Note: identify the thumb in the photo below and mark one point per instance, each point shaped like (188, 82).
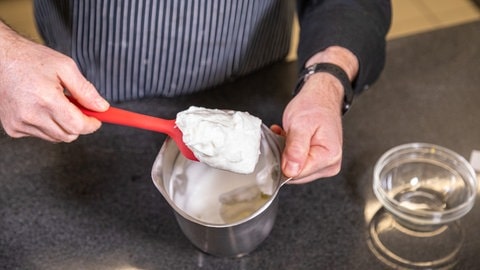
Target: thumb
(81, 89)
(295, 153)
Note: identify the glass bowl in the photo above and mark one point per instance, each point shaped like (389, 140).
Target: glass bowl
(423, 184)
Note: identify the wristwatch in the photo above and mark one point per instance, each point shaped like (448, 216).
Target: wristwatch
(336, 71)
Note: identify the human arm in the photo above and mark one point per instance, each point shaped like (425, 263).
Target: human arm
(33, 78)
(352, 36)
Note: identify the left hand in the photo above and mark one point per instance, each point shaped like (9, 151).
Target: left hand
(313, 121)
(312, 124)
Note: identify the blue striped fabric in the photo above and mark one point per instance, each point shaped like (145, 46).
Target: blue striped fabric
(138, 48)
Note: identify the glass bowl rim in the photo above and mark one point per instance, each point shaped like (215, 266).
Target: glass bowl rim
(422, 216)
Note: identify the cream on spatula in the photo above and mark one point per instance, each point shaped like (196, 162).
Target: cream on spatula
(224, 139)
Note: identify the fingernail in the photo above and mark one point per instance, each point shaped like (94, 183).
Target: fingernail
(102, 104)
(292, 168)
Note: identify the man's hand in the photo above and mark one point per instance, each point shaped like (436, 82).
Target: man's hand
(33, 79)
(313, 129)
(312, 121)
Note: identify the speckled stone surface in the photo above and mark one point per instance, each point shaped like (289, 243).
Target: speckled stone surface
(91, 204)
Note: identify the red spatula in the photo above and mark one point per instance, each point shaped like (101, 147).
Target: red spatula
(131, 119)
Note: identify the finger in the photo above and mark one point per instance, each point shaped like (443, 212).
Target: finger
(61, 121)
(35, 134)
(295, 153)
(60, 127)
(75, 122)
(39, 125)
(52, 130)
(306, 177)
(53, 134)
(277, 130)
(321, 162)
(81, 89)
(84, 125)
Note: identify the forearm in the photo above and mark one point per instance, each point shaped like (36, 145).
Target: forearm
(4, 28)
(11, 43)
(7, 36)
(359, 26)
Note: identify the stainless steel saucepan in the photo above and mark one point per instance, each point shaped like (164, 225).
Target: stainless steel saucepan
(222, 213)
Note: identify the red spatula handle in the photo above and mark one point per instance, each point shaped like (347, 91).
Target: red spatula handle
(132, 119)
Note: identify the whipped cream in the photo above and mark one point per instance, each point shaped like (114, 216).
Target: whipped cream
(224, 139)
(220, 196)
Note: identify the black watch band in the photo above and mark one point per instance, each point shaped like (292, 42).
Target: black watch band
(336, 71)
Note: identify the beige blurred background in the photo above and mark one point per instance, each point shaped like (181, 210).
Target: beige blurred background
(409, 17)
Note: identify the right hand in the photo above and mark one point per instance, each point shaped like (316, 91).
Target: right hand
(33, 81)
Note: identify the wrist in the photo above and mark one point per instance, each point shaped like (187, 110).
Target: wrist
(339, 56)
(337, 74)
(338, 62)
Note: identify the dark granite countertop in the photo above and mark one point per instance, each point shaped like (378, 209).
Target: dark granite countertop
(91, 204)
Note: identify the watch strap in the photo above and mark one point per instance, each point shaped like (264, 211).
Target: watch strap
(334, 70)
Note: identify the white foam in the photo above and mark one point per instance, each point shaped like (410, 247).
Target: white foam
(223, 139)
